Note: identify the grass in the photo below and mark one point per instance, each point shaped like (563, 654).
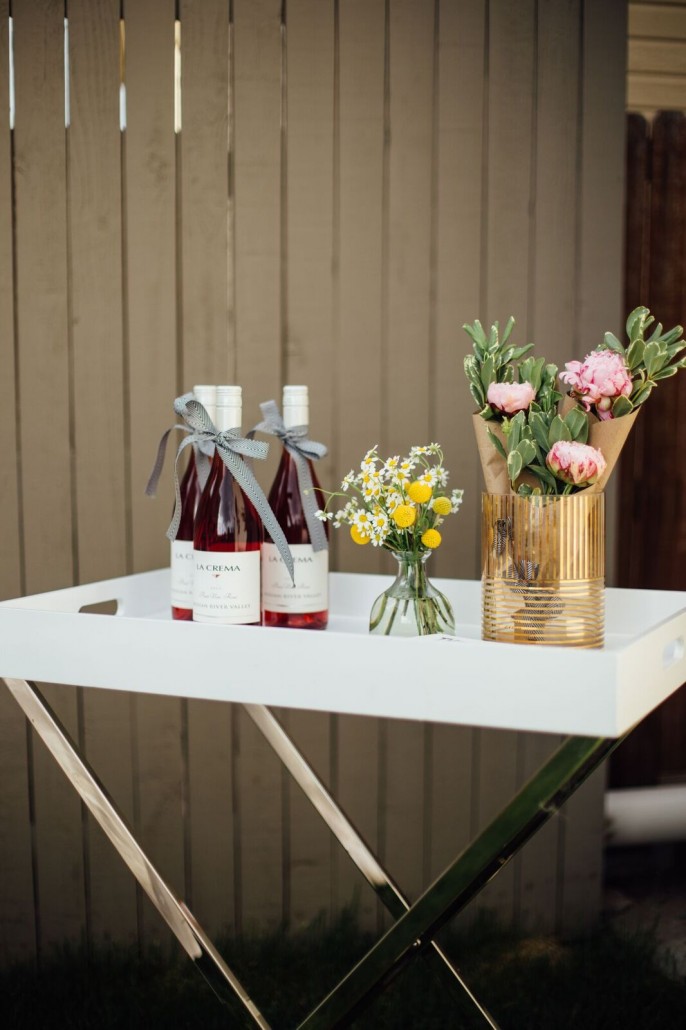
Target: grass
(604, 980)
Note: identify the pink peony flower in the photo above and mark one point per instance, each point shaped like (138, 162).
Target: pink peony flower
(598, 379)
(575, 463)
(510, 398)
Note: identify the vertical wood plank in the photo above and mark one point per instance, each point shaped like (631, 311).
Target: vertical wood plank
(636, 279)
(44, 398)
(150, 262)
(310, 840)
(94, 181)
(206, 353)
(599, 297)
(260, 855)
(602, 182)
(310, 215)
(496, 775)
(358, 361)
(448, 819)
(405, 346)
(459, 263)
(207, 356)
(406, 354)
(356, 785)
(257, 105)
(95, 243)
(158, 800)
(553, 300)
(58, 835)
(17, 932)
(17, 925)
(257, 98)
(107, 732)
(357, 370)
(150, 269)
(401, 802)
(511, 52)
(537, 866)
(10, 541)
(581, 871)
(552, 303)
(509, 181)
(41, 294)
(308, 359)
(211, 874)
(652, 500)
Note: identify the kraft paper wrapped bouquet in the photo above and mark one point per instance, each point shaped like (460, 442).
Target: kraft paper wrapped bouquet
(548, 443)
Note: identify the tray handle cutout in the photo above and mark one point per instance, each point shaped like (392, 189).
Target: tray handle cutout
(110, 607)
(672, 652)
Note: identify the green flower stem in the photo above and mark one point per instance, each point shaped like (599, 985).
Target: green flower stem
(411, 588)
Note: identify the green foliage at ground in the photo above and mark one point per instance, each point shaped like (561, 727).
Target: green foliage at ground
(599, 982)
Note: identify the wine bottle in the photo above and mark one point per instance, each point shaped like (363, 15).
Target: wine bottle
(182, 546)
(305, 605)
(227, 537)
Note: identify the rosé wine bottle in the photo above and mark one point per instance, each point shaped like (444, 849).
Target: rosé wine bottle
(227, 537)
(182, 547)
(305, 605)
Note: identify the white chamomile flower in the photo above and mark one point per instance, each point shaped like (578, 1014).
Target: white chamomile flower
(393, 499)
(390, 466)
(441, 475)
(348, 480)
(371, 490)
(362, 520)
(456, 499)
(323, 516)
(371, 456)
(428, 477)
(416, 451)
(380, 521)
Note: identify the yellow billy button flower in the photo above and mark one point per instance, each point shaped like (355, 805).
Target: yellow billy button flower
(404, 516)
(419, 492)
(431, 539)
(358, 537)
(442, 506)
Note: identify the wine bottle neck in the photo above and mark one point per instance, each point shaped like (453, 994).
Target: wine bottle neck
(228, 416)
(296, 410)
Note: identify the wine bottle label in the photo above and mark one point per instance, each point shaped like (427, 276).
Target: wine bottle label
(311, 590)
(182, 573)
(226, 587)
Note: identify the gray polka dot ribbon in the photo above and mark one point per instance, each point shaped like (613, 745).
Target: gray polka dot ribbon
(232, 449)
(202, 441)
(302, 450)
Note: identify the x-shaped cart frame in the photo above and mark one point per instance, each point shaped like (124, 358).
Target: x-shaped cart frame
(415, 924)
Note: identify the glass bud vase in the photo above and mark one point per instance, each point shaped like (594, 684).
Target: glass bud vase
(411, 606)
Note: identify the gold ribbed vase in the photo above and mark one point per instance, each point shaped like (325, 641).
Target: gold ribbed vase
(543, 569)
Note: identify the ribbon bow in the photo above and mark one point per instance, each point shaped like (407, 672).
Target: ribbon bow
(201, 439)
(302, 450)
(200, 435)
(231, 447)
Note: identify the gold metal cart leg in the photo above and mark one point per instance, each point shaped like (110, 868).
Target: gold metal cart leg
(182, 923)
(353, 842)
(538, 799)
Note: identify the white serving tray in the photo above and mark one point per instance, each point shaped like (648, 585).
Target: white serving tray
(46, 637)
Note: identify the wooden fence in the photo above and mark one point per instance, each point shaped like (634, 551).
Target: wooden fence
(351, 181)
(653, 471)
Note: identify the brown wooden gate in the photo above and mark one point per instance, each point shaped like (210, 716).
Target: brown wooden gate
(651, 532)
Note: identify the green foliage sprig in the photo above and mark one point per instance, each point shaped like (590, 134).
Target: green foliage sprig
(648, 360)
(491, 361)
